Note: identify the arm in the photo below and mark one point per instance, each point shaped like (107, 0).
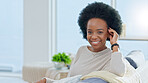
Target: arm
(41, 81)
(117, 63)
(45, 80)
(76, 57)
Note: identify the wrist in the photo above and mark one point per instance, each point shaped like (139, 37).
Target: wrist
(114, 43)
(115, 47)
(44, 79)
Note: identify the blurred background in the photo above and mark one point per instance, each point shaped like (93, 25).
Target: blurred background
(34, 30)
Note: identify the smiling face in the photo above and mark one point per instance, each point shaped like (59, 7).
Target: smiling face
(97, 34)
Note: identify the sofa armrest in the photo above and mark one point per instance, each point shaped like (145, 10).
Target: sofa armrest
(143, 71)
(35, 71)
(55, 74)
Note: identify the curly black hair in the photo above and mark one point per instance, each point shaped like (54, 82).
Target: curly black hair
(102, 11)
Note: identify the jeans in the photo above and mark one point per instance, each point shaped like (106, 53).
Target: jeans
(93, 80)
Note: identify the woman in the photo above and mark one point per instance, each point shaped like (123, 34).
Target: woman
(99, 22)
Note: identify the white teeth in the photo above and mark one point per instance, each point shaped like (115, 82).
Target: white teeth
(95, 42)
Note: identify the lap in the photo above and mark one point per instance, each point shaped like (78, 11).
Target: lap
(93, 80)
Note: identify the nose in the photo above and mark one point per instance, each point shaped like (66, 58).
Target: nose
(94, 36)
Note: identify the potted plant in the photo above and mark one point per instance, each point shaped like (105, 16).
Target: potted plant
(60, 60)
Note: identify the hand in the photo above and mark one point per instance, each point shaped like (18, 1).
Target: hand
(113, 36)
(41, 81)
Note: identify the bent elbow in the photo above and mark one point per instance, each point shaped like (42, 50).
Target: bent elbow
(120, 71)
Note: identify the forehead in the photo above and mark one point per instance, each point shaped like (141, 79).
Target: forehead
(96, 23)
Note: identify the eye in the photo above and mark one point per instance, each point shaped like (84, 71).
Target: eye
(99, 32)
(89, 32)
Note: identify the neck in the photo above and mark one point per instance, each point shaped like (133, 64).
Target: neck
(96, 50)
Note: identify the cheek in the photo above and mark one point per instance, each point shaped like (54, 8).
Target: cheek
(88, 37)
(104, 37)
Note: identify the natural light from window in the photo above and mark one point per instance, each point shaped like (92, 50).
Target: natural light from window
(11, 35)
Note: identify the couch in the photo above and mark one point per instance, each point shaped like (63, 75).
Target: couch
(36, 71)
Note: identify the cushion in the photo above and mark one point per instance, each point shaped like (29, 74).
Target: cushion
(136, 58)
(131, 62)
(93, 80)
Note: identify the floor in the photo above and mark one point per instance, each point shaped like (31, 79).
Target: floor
(11, 80)
(7, 77)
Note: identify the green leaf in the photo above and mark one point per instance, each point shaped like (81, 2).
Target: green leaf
(61, 57)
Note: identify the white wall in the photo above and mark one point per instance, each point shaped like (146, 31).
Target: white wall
(36, 31)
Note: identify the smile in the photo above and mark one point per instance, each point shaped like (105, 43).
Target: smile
(95, 43)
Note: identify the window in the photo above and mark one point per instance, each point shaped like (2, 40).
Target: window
(69, 38)
(134, 14)
(11, 35)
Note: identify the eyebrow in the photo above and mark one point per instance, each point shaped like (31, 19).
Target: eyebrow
(97, 29)
(100, 29)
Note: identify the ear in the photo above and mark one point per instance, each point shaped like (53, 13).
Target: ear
(108, 36)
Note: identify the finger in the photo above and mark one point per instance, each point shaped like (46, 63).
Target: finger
(112, 32)
(110, 37)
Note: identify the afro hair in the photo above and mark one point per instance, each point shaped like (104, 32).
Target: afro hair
(102, 11)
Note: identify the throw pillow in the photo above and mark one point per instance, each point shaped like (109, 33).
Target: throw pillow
(136, 58)
(131, 62)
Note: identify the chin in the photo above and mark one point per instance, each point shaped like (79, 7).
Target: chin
(96, 47)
